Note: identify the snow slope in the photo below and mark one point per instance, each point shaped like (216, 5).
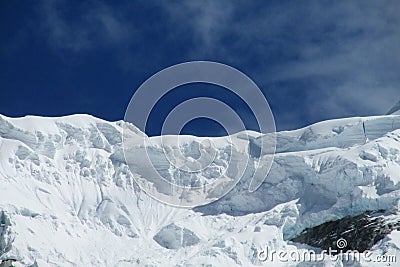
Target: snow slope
(68, 198)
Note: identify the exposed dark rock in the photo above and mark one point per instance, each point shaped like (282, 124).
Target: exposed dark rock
(254, 149)
(360, 232)
(7, 263)
(5, 241)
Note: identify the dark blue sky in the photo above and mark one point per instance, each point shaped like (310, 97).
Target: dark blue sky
(313, 60)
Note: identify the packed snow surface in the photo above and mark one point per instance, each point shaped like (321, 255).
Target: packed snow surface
(68, 197)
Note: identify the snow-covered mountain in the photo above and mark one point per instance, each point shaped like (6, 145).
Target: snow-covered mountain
(395, 110)
(68, 197)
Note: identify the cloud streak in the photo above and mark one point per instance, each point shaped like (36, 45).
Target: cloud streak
(94, 25)
(343, 56)
(347, 53)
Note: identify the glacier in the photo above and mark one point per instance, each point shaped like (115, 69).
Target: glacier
(395, 110)
(69, 198)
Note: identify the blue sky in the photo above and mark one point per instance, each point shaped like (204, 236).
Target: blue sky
(313, 60)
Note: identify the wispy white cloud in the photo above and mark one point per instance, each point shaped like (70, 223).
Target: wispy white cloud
(205, 21)
(349, 51)
(344, 56)
(93, 25)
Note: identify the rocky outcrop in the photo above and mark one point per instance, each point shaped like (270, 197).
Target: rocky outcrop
(359, 232)
(5, 239)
